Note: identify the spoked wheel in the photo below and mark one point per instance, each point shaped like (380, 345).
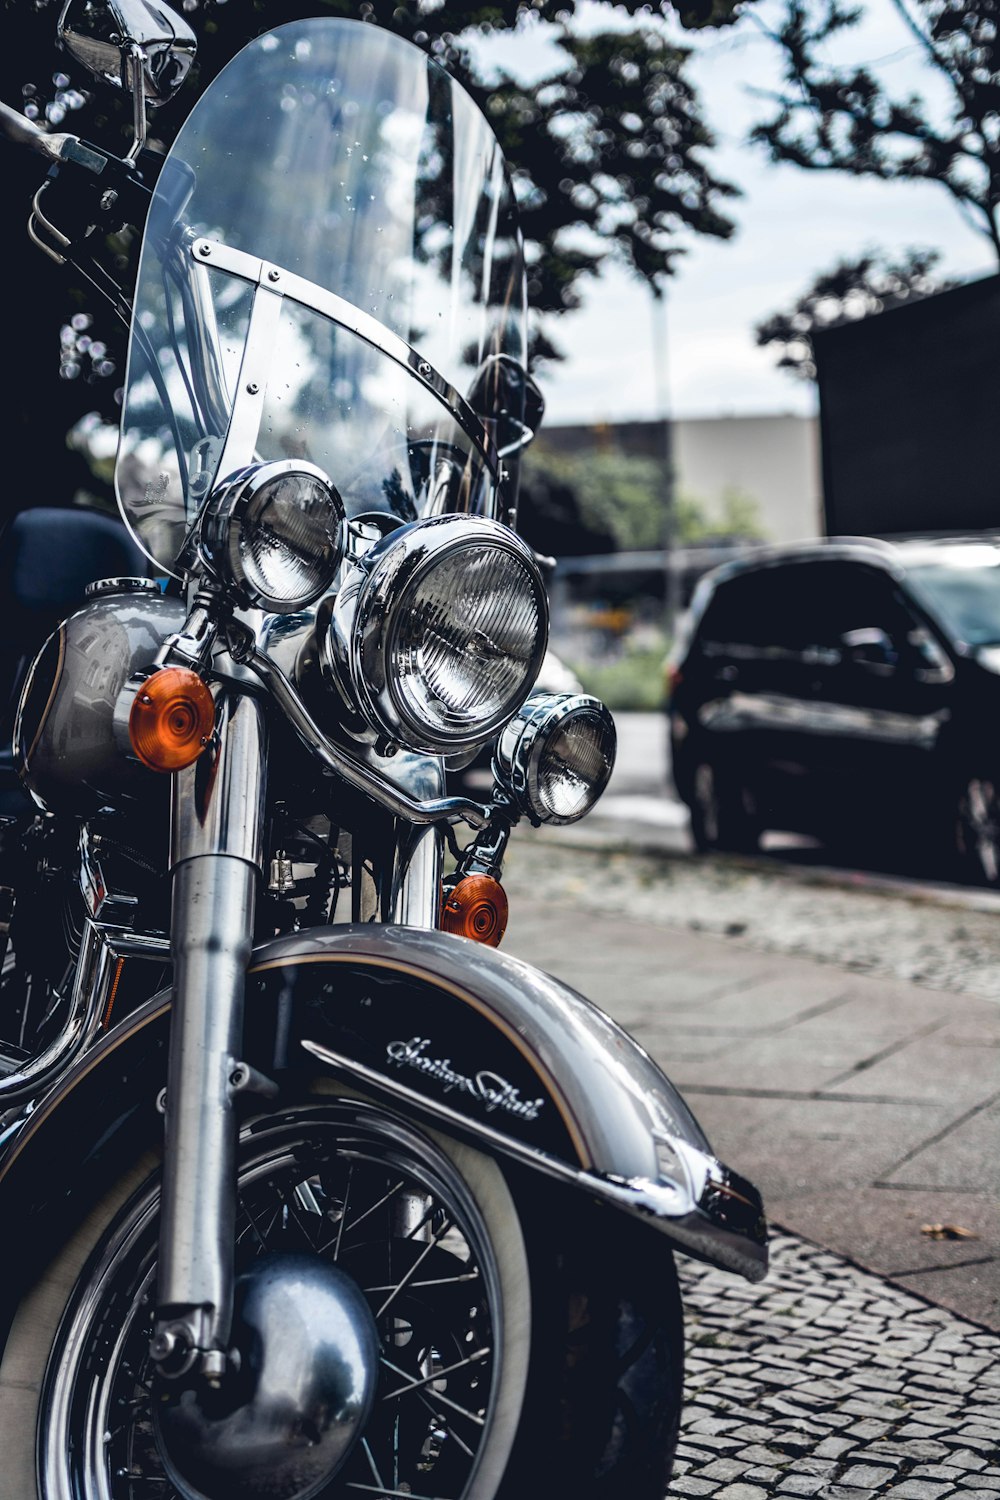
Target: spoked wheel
(493, 1383)
(977, 830)
(428, 1233)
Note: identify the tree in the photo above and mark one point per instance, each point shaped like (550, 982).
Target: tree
(734, 518)
(608, 155)
(597, 500)
(831, 117)
(852, 289)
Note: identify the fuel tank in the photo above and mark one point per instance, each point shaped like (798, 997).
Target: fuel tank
(65, 746)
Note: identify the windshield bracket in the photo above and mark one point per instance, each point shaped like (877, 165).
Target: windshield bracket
(282, 283)
(251, 387)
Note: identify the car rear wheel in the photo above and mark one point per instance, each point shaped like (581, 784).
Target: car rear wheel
(976, 836)
(723, 815)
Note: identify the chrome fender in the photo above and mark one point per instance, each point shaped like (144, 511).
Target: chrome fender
(467, 1038)
(513, 1059)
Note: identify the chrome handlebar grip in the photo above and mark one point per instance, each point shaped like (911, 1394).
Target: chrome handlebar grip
(24, 132)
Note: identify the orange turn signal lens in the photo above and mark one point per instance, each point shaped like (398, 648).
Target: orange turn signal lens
(476, 908)
(172, 718)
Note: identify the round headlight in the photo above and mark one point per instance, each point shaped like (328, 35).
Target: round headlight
(556, 756)
(445, 634)
(277, 532)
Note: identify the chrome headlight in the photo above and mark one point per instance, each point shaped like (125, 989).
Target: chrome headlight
(441, 634)
(556, 756)
(276, 532)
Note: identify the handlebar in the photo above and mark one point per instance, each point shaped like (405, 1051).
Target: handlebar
(24, 132)
(55, 148)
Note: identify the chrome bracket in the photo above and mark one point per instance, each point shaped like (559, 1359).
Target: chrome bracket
(104, 948)
(37, 221)
(337, 761)
(276, 280)
(244, 1079)
(119, 910)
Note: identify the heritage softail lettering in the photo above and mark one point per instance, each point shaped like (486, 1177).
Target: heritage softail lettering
(494, 1091)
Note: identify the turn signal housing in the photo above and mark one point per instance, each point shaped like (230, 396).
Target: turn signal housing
(171, 720)
(476, 908)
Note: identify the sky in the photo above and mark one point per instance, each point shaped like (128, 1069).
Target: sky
(694, 356)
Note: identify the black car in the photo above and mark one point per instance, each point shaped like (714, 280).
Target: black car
(850, 690)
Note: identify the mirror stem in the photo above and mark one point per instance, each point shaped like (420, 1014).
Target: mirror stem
(136, 82)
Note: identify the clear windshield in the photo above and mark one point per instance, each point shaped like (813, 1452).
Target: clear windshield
(963, 597)
(350, 164)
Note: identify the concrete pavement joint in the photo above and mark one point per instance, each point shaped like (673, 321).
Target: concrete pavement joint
(741, 1092)
(932, 1140)
(953, 1265)
(890, 1051)
(823, 1008)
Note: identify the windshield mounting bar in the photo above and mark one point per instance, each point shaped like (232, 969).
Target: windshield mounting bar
(287, 284)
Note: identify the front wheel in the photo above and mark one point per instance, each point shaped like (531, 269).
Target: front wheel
(513, 1342)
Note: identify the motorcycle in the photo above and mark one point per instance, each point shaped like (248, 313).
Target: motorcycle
(297, 1205)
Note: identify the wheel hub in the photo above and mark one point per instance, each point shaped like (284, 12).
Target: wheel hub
(280, 1427)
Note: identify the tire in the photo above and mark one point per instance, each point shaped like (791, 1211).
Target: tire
(593, 1369)
(723, 818)
(975, 831)
(603, 1407)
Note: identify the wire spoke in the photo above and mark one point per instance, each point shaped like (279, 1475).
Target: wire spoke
(261, 1235)
(288, 1201)
(371, 1464)
(384, 1199)
(385, 1494)
(431, 1245)
(435, 1281)
(425, 1218)
(432, 1395)
(422, 1398)
(416, 1385)
(322, 1249)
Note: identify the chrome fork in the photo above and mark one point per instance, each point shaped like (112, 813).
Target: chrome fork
(217, 825)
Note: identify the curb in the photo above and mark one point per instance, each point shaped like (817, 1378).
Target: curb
(609, 839)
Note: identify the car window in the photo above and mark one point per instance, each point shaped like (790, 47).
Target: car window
(762, 609)
(964, 600)
(800, 608)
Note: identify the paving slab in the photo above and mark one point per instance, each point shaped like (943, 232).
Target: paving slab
(862, 1105)
(931, 1067)
(814, 1146)
(965, 1156)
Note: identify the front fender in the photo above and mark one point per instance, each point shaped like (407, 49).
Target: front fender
(512, 1058)
(462, 1035)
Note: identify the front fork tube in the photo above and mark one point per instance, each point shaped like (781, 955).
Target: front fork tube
(217, 821)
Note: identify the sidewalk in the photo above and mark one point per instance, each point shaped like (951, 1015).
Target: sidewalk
(864, 1107)
(826, 1381)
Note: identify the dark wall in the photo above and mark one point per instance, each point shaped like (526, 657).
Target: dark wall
(910, 416)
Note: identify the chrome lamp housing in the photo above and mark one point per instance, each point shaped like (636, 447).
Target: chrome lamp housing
(275, 532)
(438, 634)
(555, 757)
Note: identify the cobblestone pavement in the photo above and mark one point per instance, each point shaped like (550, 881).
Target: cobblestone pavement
(826, 1381)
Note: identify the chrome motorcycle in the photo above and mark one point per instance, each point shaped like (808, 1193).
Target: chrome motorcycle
(307, 1190)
